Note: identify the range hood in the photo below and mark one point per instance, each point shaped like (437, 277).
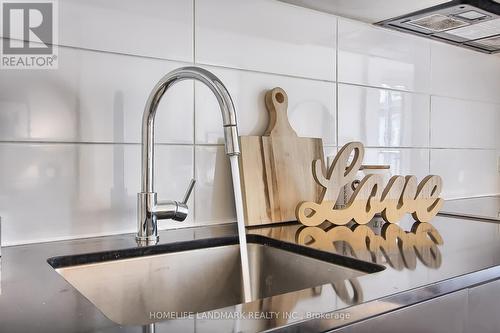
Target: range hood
(473, 24)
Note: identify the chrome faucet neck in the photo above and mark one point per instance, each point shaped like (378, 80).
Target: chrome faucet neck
(148, 118)
(148, 208)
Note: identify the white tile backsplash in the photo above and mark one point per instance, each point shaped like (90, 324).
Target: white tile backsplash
(265, 35)
(403, 161)
(214, 187)
(311, 105)
(384, 118)
(158, 28)
(461, 73)
(56, 191)
(69, 138)
(92, 97)
(457, 123)
(466, 172)
(377, 57)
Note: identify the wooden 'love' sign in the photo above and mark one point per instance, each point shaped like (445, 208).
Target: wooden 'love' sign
(401, 195)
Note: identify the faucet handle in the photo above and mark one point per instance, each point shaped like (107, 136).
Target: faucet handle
(189, 191)
(175, 210)
(181, 210)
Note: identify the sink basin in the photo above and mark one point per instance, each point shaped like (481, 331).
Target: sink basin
(197, 276)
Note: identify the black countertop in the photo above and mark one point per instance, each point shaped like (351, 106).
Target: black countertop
(35, 298)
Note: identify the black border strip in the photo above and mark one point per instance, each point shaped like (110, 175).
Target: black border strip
(95, 257)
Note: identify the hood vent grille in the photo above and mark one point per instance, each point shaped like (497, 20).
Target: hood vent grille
(474, 24)
(437, 23)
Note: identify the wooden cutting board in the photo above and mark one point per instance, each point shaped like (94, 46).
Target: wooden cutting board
(276, 168)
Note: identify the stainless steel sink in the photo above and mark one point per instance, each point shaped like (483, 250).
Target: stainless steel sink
(197, 276)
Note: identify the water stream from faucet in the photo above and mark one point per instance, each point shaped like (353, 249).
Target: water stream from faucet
(245, 268)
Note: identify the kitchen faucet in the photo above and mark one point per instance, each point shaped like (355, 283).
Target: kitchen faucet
(149, 209)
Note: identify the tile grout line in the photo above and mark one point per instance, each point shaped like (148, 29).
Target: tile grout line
(414, 92)
(430, 109)
(497, 103)
(194, 31)
(194, 116)
(180, 144)
(194, 153)
(430, 133)
(337, 82)
(109, 143)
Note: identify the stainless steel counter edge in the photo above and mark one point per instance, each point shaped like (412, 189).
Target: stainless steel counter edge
(485, 208)
(394, 302)
(470, 216)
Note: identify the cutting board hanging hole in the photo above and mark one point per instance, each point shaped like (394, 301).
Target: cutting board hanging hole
(280, 98)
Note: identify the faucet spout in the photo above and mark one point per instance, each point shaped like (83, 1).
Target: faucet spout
(149, 210)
